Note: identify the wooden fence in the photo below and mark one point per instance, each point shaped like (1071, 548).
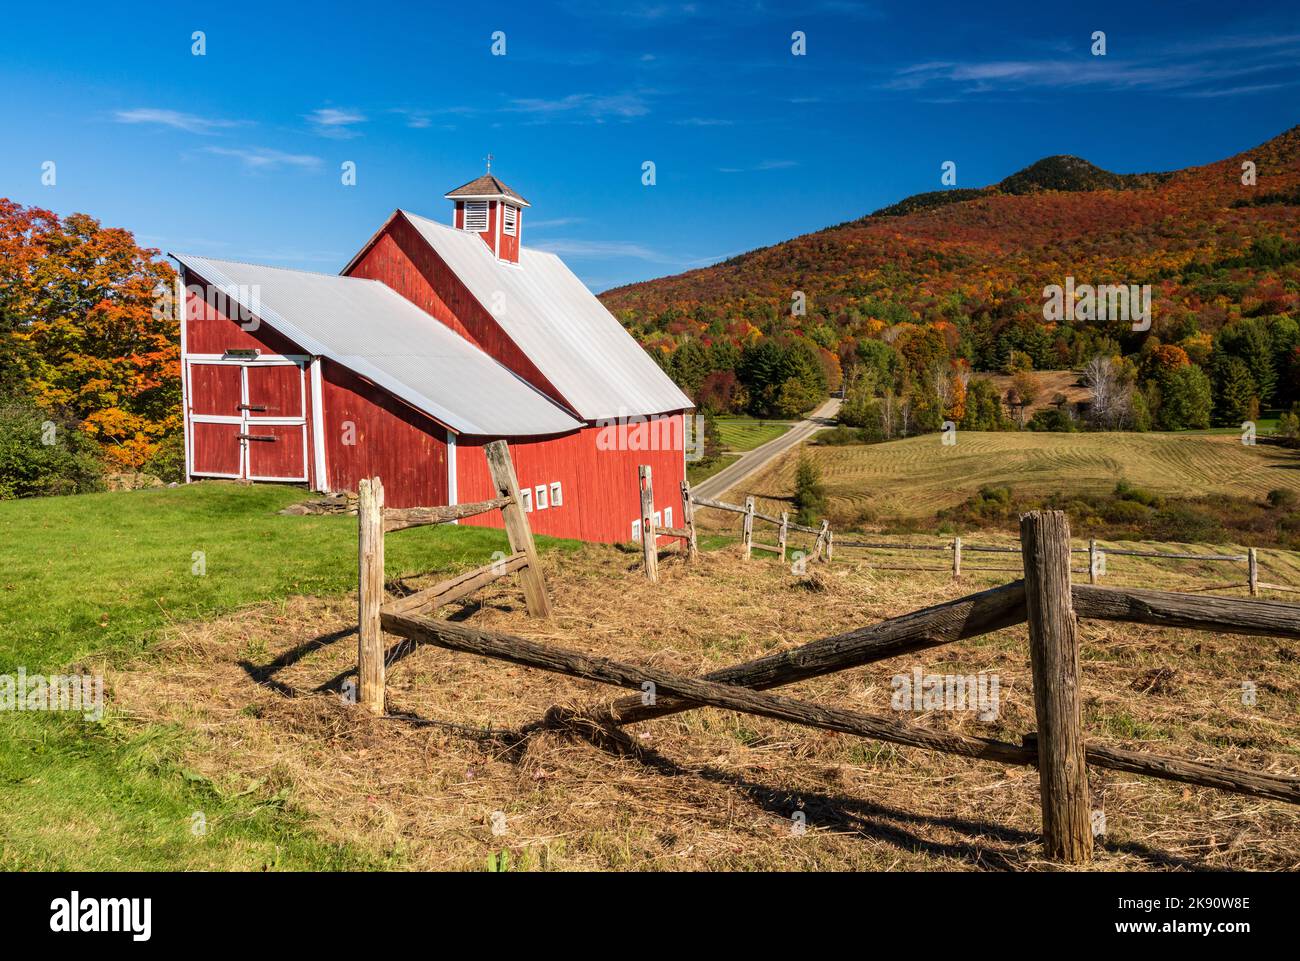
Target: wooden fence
(1045, 599)
(823, 550)
(374, 521)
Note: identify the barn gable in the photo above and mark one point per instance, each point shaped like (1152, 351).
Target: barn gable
(546, 315)
(369, 329)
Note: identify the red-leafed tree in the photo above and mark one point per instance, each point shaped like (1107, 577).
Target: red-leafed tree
(81, 332)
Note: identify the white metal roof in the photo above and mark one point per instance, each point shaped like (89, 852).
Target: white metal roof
(578, 345)
(371, 329)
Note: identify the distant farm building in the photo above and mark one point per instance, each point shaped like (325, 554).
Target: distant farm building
(434, 341)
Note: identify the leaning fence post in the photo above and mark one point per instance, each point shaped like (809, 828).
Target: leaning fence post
(785, 534)
(649, 530)
(749, 527)
(688, 518)
(1054, 657)
(821, 540)
(370, 594)
(518, 532)
(956, 558)
(1252, 568)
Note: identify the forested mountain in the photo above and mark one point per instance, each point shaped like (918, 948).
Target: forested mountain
(949, 283)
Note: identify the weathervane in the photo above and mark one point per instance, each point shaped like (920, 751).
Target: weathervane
(489, 163)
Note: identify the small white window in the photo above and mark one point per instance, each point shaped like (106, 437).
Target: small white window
(658, 520)
(636, 530)
(527, 495)
(668, 517)
(476, 215)
(541, 497)
(557, 495)
(509, 219)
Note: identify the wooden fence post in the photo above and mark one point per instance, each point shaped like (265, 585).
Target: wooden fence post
(749, 527)
(956, 558)
(830, 545)
(370, 594)
(1252, 568)
(517, 529)
(649, 531)
(785, 534)
(1092, 560)
(821, 540)
(688, 518)
(1054, 657)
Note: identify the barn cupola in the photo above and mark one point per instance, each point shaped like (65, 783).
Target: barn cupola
(492, 210)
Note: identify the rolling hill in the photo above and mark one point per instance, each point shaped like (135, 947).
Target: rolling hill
(1213, 248)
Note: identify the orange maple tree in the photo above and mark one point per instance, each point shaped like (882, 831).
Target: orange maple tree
(81, 330)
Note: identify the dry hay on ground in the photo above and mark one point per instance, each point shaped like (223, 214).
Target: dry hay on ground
(712, 789)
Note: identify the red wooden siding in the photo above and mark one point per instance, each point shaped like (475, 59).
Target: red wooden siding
(402, 259)
(509, 249)
(210, 331)
(214, 449)
(280, 457)
(389, 440)
(598, 487)
(215, 389)
(279, 389)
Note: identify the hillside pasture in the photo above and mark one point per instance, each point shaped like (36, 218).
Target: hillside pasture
(712, 789)
(915, 477)
(746, 433)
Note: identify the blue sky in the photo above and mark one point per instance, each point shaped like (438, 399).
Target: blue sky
(237, 153)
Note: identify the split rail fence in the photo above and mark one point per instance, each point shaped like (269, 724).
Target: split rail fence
(1044, 598)
(374, 521)
(823, 549)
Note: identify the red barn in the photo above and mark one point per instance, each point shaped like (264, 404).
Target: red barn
(434, 340)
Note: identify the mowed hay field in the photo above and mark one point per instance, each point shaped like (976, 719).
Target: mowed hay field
(918, 476)
(441, 786)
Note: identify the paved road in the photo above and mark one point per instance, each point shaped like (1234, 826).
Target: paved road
(755, 460)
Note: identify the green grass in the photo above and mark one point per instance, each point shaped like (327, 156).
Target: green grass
(97, 576)
(746, 433)
(695, 474)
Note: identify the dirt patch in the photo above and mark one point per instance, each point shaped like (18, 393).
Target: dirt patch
(436, 787)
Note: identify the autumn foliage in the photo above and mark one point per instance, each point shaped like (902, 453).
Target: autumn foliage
(80, 333)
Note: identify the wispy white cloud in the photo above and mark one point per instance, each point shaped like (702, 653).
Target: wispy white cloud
(334, 122)
(703, 122)
(605, 248)
(190, 123)
(266, 158)
(1176, 69)
(584, 105)
(554, 222)
(761, 165)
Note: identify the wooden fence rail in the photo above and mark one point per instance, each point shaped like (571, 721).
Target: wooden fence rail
(821, 550)
(1096, 569)
(1045, 598)
(373, 521)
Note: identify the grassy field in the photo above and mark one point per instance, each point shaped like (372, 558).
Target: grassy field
(92, 581)
(746, 433)
(709, 789)
(918, 476)
(696, 473)
(220, 703)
